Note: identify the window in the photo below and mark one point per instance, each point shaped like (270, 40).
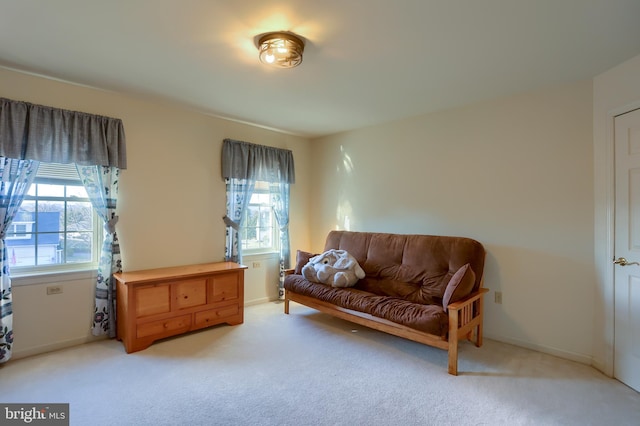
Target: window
(56, 227)
(259, 233)
(20, 230)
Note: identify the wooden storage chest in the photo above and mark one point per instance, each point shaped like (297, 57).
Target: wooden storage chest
(157, 303)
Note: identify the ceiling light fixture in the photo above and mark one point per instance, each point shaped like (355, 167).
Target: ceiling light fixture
(281, 49)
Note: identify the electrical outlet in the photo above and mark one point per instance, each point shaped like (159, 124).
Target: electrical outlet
(498, 297)
(54, 289)
(256, 264)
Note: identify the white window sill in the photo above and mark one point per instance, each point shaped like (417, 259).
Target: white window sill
(263, 254)
(46, 277)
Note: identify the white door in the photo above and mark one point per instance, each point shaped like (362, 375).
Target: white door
(627, 249)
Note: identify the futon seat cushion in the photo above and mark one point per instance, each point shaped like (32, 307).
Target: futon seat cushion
(428, 318)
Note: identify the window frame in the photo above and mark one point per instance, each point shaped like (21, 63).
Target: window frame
(261, 188)
(61, 174)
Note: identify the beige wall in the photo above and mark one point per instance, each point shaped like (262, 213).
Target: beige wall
(171, 200)
(614, 92)
(515, 173)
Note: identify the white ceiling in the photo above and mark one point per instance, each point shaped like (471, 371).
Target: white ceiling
(365, 61)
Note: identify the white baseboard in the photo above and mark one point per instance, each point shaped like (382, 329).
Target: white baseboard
(258, 301)
(36, 350)
(572, 356)
(601, 366)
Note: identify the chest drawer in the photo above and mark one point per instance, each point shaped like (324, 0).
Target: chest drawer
(166, 327)
(216, 316)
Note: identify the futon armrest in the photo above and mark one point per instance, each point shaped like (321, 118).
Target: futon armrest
(289, 271)
(456, 306)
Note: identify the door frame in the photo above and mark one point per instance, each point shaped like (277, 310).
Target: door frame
(605, 249)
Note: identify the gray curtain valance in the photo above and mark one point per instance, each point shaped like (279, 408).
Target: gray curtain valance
(244, 160)
(53, 135)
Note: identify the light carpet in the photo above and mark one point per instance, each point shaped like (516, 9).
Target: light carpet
(308, 368)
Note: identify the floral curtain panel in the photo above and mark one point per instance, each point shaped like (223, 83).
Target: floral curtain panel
(280, 196)
(238, 195)
(16, 178)
(101, 184)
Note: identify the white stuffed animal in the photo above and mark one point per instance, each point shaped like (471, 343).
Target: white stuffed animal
(334, 267)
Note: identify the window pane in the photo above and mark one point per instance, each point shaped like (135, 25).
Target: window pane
(50, 216)
(26, 206)
(22, 225)
(45, 190)
(265, 231)
(76, 191)
(260, 199)
(78, 247)
(79, 216)
(250, 224)
(21, 255)
(49, 251)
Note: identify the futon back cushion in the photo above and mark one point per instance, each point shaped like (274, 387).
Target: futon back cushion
(417, 268)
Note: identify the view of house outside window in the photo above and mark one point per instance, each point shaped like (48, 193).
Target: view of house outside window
(55, 224)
